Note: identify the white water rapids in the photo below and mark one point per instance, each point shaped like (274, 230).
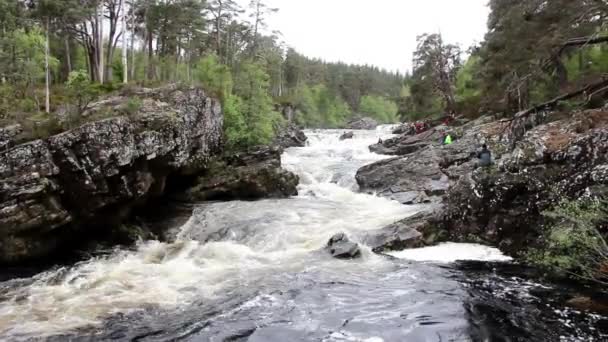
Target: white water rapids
(260, 251)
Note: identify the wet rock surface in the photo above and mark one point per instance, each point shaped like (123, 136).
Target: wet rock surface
(500, 205)
(420, 230)
(424, 170)
(347, 136)
(565, 159)
(363, 123)
(340, 247)
(290, 136)
(246, 176)
(95, 174)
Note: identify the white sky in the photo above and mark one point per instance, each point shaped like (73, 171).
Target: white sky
(376, 32)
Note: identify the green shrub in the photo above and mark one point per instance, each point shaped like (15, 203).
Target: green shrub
(572, 241)
(28, 105)
(132, 106)
(80, 91)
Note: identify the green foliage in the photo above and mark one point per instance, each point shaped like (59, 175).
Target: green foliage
(468, 90)
(319, 108)
(572, 242)
(253, 110)
(81, 91)
(379, 108)
(132, 106)
(213, 75)
(235, 126)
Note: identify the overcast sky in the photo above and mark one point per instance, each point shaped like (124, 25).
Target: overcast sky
(377, 32)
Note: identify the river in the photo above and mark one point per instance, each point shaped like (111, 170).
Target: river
(257, 271)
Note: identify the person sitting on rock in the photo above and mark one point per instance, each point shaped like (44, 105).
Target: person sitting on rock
(484, 156)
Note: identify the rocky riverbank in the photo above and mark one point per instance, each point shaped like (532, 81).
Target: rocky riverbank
(563, 160)
(92, 178)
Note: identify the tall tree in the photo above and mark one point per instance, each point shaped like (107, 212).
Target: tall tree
(223, 12)
(259, 11)
(439, 62)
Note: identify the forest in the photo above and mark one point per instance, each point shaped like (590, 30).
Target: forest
(56, 57)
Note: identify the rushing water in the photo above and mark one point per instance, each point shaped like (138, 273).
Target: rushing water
(257, 271)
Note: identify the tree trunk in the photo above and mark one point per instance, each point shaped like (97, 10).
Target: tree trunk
(68, 54)
(561, 73)
(100, 61)
(47, 103)
(151, 71)
(133, 41)
(125, 64)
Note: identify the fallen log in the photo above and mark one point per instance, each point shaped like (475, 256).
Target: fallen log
(589, 89)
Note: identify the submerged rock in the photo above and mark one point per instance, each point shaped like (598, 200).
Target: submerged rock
(246, 176)
(340, 247)
(363, 124)
(92, 176)
(347, 135)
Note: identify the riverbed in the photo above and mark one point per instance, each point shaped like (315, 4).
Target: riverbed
(257, 271)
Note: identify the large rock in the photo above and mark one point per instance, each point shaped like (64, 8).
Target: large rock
(290, 136)
(419, 230)
(363, 124)
(95, 174)
(405, 129)
(340, 247)
(8, 135)
(246, 176)
(347, 135)
(503, 206)
(425, 170)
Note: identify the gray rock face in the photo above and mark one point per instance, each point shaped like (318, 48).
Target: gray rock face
(413, 232)
(405, 129)
(290, 136)
(100, 170)
(363, 124)
(566, 159)
(425, 170)
(340, 247)
(8, 134)
(247, 176)
(407, 143)
(347, 135)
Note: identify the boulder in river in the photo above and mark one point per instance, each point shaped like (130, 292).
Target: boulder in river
(416, 231)
(340, 247)
(347, 135)
(246, 176)
(363, 124)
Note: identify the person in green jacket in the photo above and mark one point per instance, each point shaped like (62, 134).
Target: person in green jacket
(447, 139)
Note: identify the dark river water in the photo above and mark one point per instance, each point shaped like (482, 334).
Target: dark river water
(256, 271)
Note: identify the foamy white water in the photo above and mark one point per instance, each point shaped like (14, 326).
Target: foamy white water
(253, 240)
(257, 272)
(450, 252)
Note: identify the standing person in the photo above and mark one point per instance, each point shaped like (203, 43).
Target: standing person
(484, 156)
